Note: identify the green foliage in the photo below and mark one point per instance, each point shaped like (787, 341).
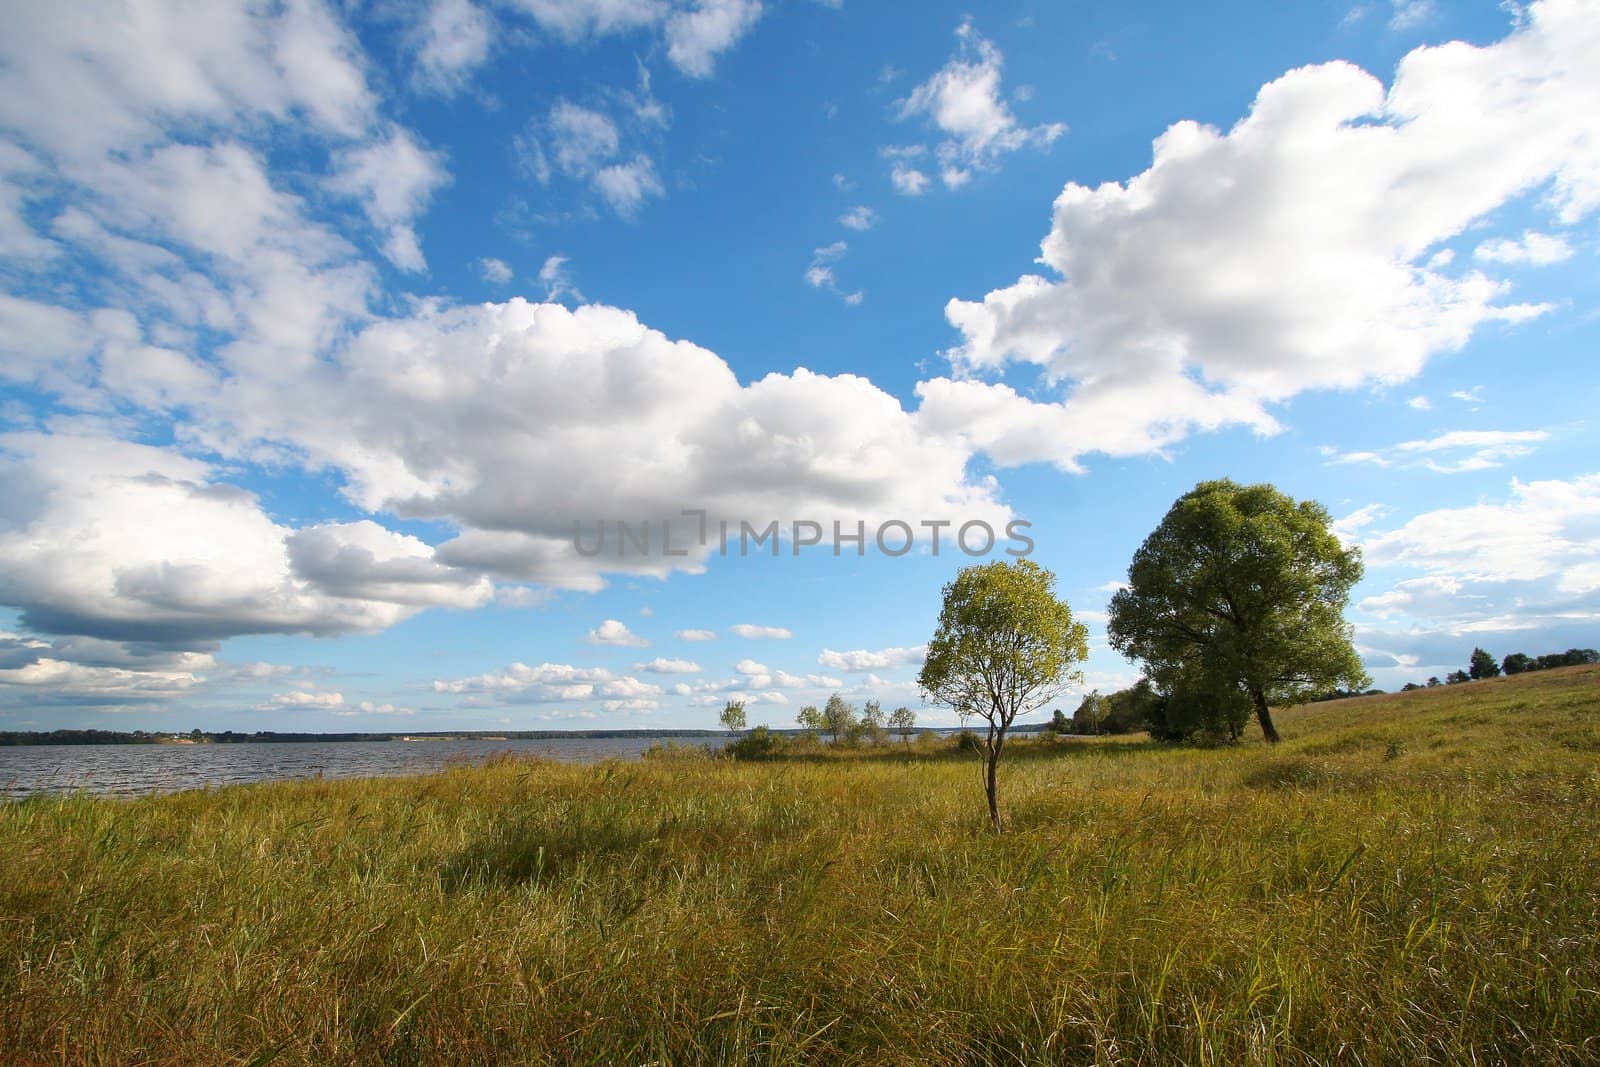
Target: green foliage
(839, 717)
(1005, 646)
(1483, 665)
(810, 719)
(1518, 662)
(1059, 723)
(733, 717)
(903, 720)
(759, 744)
(1240, 590)
(1457, 678)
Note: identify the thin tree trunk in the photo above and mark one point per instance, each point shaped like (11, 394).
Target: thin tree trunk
(1264, 716)
(991, 785)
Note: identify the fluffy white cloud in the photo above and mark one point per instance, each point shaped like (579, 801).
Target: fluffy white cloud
(704, 29)
(1284, 254)
(307, 698)
(908, 180)
(859, 217)
(752, 632)
(1529, 562)
(1534, 249)
(557, 683)
(662, 665)
(451, 40)
(126, 542)
(586, 145)
(1450, 453)
(615, 632)
(869, 660)
(396, 178)
(965, 102)
(696, 635)
(496, 271)
(750, 666)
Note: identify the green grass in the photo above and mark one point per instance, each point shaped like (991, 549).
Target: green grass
(1406, 879)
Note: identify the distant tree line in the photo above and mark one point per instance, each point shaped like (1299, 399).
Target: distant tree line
(1483, 665)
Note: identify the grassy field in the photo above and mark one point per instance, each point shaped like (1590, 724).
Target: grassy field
(1406, 879)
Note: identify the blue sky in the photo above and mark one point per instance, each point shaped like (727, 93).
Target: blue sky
(322, 324)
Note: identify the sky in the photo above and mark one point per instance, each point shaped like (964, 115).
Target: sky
(336, 339)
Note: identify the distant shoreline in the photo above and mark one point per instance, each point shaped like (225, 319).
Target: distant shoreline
(17, 739)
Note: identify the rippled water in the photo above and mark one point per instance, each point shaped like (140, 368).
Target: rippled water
(130, 770)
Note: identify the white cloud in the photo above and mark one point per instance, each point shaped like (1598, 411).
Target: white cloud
(751, 632)
(662, 665)
(703, 30)
(1450, 453)
(1420, 403)
(302, 698)
(696, 635)
(964, 102)
(396, 178)
(550, 683)
(1530, 561)
(615, 632)
(869, 660)
(495, 271)
(626, 186)
(1348, 529)
(1408, 14)
(451, 41)
(859, 217)
(908, 180)
(750, 666)
(1534, 249)
(128, 542)
(1244, 267)
(557, 280)
(820, 274)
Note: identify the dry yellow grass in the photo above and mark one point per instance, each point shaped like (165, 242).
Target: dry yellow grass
(1406, 879)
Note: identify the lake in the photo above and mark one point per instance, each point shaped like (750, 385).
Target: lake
(132, 770)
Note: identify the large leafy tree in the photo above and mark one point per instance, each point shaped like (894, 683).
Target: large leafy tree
(1238, 597)
(1005, 646)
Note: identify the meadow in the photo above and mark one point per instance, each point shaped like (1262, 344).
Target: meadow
(1405, 879)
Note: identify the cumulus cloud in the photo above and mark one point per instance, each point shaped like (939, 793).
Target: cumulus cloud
(615, 632)
(1288, 253)
(696, 32)
(495, 271)
(396, 178)
(859, 217)
(965, 102)
(752, 632)
(869, 660)
(588, 146)
(127, 542)
(696, 635)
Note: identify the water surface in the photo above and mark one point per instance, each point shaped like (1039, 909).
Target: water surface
(132, 770)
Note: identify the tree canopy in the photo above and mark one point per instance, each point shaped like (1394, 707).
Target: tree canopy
(1236, 601)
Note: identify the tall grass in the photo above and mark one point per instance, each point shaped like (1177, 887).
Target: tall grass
(1406, 879)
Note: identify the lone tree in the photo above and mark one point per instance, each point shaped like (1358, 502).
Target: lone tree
(903, 721)
(732, 716)
(810, 719)
(1005, 647)
(1241, 591)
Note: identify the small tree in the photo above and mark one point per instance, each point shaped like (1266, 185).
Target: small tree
(838, 716)
(1005, 646)
(1091, 713)
(872, 721)
(810, 719)
(1059, 723)
(903, 720)
(1483, 665)
(732, 717)
(1457, 677)
(1433, 682)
